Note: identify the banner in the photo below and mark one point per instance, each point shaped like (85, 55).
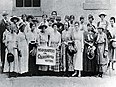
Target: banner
(46, 56)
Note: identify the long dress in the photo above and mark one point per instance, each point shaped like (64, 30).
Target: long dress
(102, 48)
(23, 48)
(32, 41)
(78, 57)
(2, 45)
(66, 59)
(55, 41)
(89, 62)
(43, 41)
(112, 50)
(10, 42)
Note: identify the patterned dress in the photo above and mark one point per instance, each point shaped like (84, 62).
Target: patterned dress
(66, 59)
(55, 41)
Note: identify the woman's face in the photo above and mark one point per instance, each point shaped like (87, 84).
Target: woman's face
(5, 17)
(90, 20)
(50, 23)
(30, 19)
(82, 20)
(23, 28)
(15, 20)
(112, 22)
(44, 18)
(89, 28)
(77, 25)
(100, 30)
(55, 27)
(66, 26)
(102, 17)
(24, 18)
(72, 19)
(33, 28)
(8, 27)
(43, 29)
(54, 15)
(66, 19)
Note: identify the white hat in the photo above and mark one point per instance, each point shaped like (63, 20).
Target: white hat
(102, 13)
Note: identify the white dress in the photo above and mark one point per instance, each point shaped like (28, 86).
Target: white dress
(10, 41)
(23, 47)
(78, 57)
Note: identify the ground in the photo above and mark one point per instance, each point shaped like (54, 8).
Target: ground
(52, 81)
(108, 80)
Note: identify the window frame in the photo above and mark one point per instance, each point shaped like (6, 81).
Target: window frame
(25, 8)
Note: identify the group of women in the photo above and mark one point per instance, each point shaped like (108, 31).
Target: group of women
(80, 47)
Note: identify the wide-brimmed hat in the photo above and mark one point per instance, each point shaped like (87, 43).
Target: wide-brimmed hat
(30, 16)
(100, 28)
(54, 24)
(14, 17)
(4, 13)
(102, 13)
(41, 26)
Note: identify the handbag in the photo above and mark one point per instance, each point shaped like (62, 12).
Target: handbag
(90, 53)
(72, 50)
(10, 57)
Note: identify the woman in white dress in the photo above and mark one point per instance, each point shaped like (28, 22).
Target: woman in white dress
(23, 49)
(9, 38)
(78, 57)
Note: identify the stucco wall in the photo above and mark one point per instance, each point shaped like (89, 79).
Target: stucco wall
(63, 7)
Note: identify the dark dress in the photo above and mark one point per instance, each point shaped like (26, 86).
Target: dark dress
(32, 60)
(89, 62)
(2, 45)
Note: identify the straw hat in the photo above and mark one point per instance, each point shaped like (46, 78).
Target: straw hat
(41, 26)
(102, 13)
(13, 18)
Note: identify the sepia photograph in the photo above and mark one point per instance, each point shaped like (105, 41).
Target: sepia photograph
(58, 43)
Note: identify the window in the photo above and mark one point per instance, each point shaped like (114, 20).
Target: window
(28, 3)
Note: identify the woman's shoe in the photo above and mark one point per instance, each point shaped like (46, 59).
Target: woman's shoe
(74, 74)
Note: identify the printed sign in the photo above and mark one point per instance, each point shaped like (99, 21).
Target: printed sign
(46, 56)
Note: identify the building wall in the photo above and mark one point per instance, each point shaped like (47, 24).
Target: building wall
(63, 7)
(76, 7)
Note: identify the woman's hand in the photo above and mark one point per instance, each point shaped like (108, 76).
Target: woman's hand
(33, 51)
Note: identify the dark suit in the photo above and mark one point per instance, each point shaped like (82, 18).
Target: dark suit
(2, 45)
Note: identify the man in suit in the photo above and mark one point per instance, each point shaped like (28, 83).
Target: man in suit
(2, 29)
